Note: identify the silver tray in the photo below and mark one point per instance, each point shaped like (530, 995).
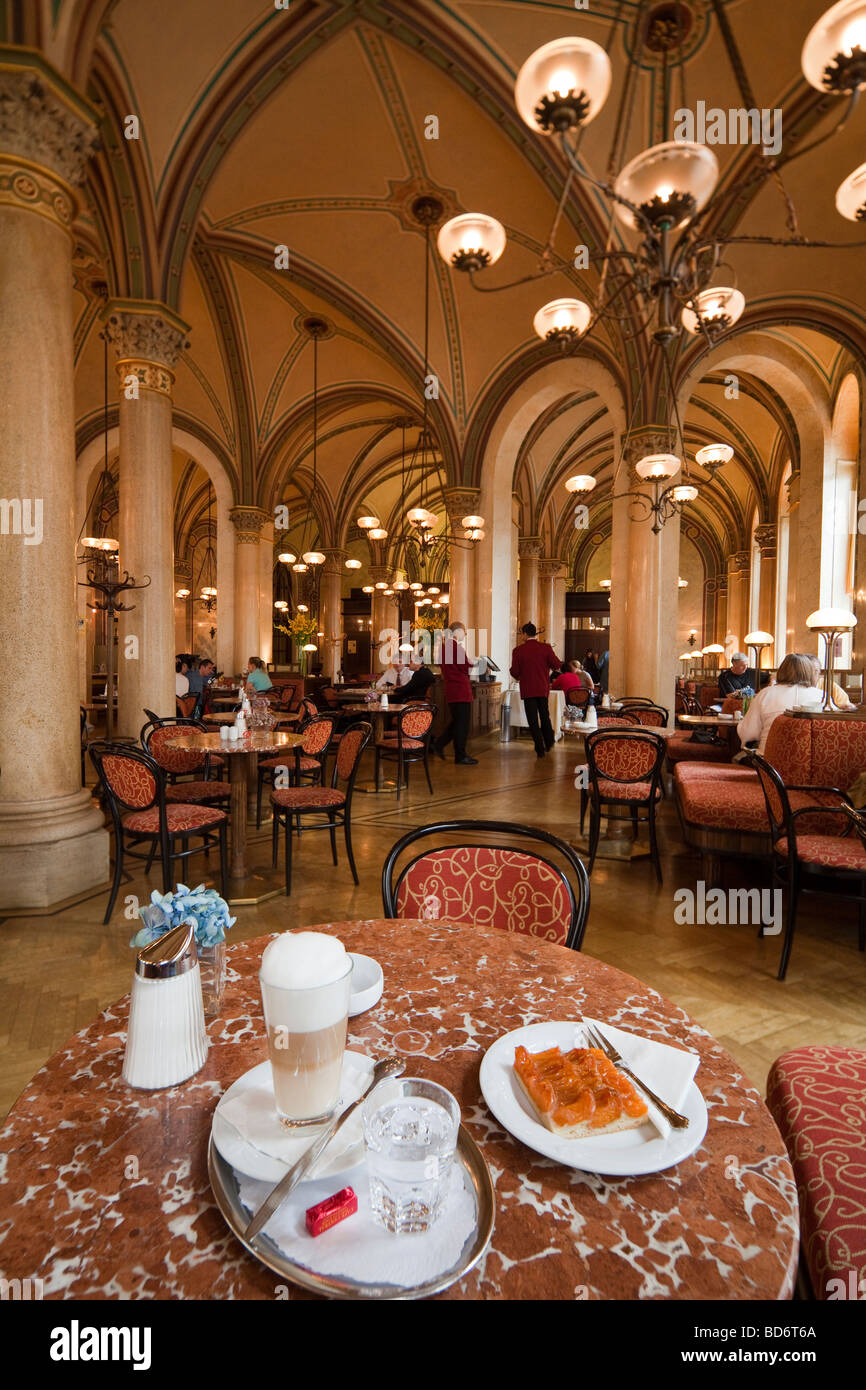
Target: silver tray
(225, 1188)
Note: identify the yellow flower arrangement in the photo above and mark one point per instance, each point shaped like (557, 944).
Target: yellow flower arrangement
(302, 628)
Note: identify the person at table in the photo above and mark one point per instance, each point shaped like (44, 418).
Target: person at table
(572, 677)
(417, 686)
(738, 679)
(590, 666)
(396, 673)
(258, 676)
(531, 665)
(603, 667)
(795, 688)
(200, 678)
(181, 678)
(455, 667)
(840, 698)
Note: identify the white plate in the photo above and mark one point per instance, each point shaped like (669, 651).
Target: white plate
(284, 1147)
(627, 1154)
(367, 983)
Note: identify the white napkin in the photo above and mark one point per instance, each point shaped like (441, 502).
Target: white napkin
(359, 1248)
(252, 1113)
(669, 1071)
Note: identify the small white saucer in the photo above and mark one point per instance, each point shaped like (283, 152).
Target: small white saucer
(249, 1136)
(367, 984)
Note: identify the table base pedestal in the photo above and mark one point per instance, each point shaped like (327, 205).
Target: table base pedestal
(615, 842)
(257, 887)
(370, 788)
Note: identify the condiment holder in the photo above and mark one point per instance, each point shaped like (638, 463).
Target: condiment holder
(166, 1042)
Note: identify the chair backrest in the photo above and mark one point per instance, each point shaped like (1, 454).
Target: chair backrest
(653, 716)
(633, 700)
(577, 697)
(318, 733)
(309, 710)
(612, 720)
(415, 721)
(130, 776)
(511, 887)
(185, 705)
(175, 760)
(625, 757)
(775, 795)
(352, 745)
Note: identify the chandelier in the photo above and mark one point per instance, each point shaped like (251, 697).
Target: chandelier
(207, 590)
(669, 282)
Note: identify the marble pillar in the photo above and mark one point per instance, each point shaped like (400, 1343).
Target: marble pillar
(766, 540)
(331, 613)
(551, 610)
(384, 620)
(529, 550)
(53, 844)
(794, 616)
(148, 339)
(739, 572)
(267, 612)
(183, 607)
(460, 502)
(248, 523)
(858, 653)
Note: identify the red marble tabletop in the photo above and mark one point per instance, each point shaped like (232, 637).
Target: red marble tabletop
(104, 1190)
(256, 741)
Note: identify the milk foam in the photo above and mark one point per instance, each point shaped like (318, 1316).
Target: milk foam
(305, 961)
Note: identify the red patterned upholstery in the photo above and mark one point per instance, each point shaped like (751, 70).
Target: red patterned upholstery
(318, 736)
(625, 791)
(414, 725)
(650, 718)
(817, 1096)
(301, 798)
(180, 819)
(348, 751)
(390, 742)
(731, 772)
(197, 791)
(739, 805)
(486, 886)
(132, 782)
(682, 748)
(829, 851)
(615, 721)
(625, 757)
(174, 759)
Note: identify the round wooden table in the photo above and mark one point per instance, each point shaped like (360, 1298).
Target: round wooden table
(247, 886)
(105, 1190)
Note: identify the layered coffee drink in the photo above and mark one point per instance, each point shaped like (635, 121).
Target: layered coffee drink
(306, 980)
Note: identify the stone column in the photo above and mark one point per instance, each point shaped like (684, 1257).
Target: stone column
(331, 613)
(795, 617)
(382, 614)
(248, 523)
(53, 844)
(739, 570)
(720, 626)
(766, 539)
(183, 606)
(529, 550)
(552, 613)
(148, 339)
(460, 502)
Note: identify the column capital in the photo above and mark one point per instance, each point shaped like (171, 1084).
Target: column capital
(765, 537)
(530, 547)
(460, 502)
(740, 562)
(333, 560)
(148, 339)
(47, 135)
(248, 523)
(549, 567)
(380, 574)
(793, 489)
(183, 569)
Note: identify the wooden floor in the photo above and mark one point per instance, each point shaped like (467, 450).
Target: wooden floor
(57, 972)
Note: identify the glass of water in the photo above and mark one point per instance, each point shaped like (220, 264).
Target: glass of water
(410, 1132)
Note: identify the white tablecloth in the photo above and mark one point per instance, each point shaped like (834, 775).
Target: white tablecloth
(556, 704)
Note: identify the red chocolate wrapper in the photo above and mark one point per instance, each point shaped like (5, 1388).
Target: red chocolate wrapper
(333, 1209)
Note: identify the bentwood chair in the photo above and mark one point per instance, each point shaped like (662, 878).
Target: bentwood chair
(607, 719)
(327, 807)
(651, 716)
(303, 763)
(134, 785)
(624, 770)
(408, 743)
(509, 884)
(812, 845)
(180, 762)
(578, 698)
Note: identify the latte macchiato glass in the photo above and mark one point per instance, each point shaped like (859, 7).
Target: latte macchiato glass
(306, 1023)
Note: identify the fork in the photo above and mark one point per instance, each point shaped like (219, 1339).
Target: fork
(597, 1039)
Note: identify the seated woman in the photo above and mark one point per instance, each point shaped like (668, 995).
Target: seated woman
(572, 677)
(794, 688)
(258, 677)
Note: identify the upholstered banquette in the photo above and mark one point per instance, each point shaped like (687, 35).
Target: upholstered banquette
(722, 807)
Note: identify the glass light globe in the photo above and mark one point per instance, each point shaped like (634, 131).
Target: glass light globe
(831, 620)
(300, 567)
(655, 466)
(471, 241)
(686, 656)
(416, 585)
(401, 585)
(562, 318)
(405, 647)
(604, 584)
(562, 85)
(416, 515)
(758, 639)
(313, 557)
(389, 593)
(712, 650)
(474, 533)
(834, 54)
(287, 558)
(713, 311)
(714, 455)
(183, 593)
(470, 522)
(367, 589)
(684, 493)
(380, 584)
(581, 482)
(353, 564)
(281, 604)
(851, 196)
(303, 608)
(208, 592)
(105, 543)
(669, 183)
(309, 647)
(366, 523)
(378, 533)
(431, 589)
(682, 583)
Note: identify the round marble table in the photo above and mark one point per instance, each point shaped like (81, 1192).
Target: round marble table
(247, 886)
(104, 1190)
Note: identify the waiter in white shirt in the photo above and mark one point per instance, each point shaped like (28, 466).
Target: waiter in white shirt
(395, 674)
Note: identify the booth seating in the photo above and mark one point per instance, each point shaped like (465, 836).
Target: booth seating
(722, 808)
(817, 1096)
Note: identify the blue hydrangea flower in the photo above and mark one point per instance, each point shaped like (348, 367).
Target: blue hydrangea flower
(202, 906)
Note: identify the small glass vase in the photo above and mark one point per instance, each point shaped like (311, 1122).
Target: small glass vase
(212, 963)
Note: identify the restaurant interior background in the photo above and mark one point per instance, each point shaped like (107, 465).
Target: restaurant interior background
(254, 366)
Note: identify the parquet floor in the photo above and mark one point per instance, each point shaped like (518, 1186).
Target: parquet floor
(57, 972)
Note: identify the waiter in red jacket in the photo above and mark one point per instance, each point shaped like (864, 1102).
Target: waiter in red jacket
(531, 665)
(458, 693)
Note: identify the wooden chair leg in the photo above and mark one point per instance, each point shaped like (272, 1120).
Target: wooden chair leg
(633, 810)
(594, 830)
(275, 831)
(332, 831)
(654, 848)
(791, 923)
(347, 828)
(288, 854)
(118, 871)
(584, 802)
(427, 765)
(224, 861)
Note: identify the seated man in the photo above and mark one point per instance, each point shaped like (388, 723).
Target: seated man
(739, 679)
(258, 677)
(181, 679)
(418, 685)
(396, 674)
